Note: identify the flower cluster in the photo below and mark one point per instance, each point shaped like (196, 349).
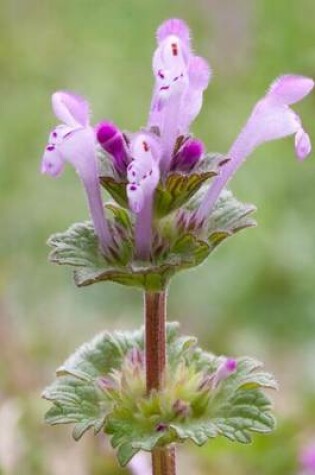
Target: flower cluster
(143, 161)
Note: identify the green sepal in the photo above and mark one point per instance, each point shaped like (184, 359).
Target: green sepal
(177, 189)
(235, 408)
(175, 249)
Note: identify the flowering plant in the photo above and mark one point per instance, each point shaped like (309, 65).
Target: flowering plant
(153, 389)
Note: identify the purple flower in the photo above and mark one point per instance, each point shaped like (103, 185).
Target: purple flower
(143, 176)
(307, 459)
(164, 146)
(271, 119)
(181, 79)
(74, 141)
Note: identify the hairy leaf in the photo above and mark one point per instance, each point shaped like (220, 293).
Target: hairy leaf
(102, 387)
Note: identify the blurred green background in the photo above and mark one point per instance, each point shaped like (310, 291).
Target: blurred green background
(254, 296)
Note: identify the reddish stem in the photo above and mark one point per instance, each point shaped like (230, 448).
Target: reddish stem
(163, 459)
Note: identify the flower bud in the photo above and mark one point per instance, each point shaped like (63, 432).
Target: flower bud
(161, 427)
(188, 156)
(112, 141)
(136, 357)
(181, 408)
(106, 383)
(226, 368)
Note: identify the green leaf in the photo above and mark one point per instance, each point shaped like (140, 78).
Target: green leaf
(235, 409)
(245, 412)
(101, 355)
(198, 431)
(75, 394)
(76, 401)
(125, 453)
(116, 188)
(229, 215)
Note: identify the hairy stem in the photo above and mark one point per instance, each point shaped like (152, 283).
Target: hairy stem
(163, 459)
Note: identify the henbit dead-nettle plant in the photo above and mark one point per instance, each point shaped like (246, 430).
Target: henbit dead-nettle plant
(153, 388)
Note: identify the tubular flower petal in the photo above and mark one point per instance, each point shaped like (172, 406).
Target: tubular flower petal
(291, 88)
(143, 177)
(271, 119)
(79, 150)
(180, 81)
(70, 108)
(112, 141)
(199, 74)
(142, 173)
(74, 142)
(52, 162)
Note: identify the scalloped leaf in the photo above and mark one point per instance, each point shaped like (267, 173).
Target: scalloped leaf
(235, 409)
(247, 411)
(76, 401)
(76, 395)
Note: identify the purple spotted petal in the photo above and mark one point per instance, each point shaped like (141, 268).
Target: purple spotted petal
(135, 195)
(181, 79)
(143, 228)
(271, 119)
(171, 55)
(70, 108)
(59, 133)
(52, 162)
(143, 175)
